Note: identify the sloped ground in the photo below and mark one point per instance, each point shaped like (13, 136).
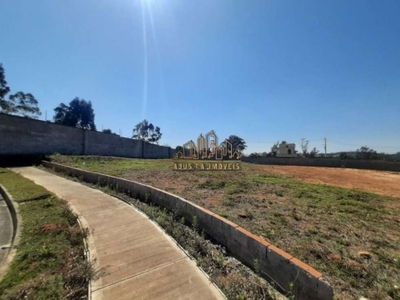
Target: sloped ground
(350, 235)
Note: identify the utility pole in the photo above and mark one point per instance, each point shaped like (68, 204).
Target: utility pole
(325, 145)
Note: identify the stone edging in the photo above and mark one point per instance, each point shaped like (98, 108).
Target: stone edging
(17, 223)
(287, 272)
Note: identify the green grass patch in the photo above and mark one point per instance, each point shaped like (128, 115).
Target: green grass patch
(49, 262)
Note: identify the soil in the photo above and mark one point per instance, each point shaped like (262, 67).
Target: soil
(378, 182)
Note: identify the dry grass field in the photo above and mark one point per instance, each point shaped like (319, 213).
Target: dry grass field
(345, 223)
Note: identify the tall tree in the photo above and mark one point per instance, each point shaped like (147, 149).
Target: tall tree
(79, 113)
(5, 105)
(147, 132)
(24, 105)
(4, 89)
(20, 103)
(238, 143)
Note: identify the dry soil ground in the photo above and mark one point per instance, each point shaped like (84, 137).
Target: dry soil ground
(379, 182)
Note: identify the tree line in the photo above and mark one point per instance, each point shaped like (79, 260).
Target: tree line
(78, 113)
(364, 153)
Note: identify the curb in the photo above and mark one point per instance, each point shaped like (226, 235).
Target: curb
(17, 223)
(290, 274)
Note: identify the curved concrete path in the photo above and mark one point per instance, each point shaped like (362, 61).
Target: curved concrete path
(141, 261)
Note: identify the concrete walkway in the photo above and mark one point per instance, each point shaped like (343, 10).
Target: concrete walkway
(141, 261)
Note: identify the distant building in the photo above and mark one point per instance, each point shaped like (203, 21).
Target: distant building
(284, 150)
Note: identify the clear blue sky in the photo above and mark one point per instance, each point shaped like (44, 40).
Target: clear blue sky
(263, 70)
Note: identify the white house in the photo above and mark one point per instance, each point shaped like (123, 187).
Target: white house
(284, 149)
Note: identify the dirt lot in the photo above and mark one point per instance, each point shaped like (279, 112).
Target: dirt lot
(379, 182)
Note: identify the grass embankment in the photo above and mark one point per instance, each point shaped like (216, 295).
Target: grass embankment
(49, 262)
(351, 236)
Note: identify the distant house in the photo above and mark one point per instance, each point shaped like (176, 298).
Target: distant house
(284, 149)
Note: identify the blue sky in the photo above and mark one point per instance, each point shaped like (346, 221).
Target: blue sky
(264, 70)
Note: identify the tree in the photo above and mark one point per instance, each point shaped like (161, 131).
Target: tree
(366, 153)
(313, 152)
(20, 104)
(78, 114)
(24, 105)
(238, 144)
(274, 149)
(304, 147)
(4, 89)
(108, 131)
(146, 131)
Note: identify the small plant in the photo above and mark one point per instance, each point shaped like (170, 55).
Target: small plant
(146, 197)
(249, 214)
(195, 223)
(228, 202)
(257, 266)
(296, 216)
(290, 295)
(222, 214)
(69, 215)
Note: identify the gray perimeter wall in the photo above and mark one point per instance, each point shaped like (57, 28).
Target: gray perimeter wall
(26, 136)
(326, 162)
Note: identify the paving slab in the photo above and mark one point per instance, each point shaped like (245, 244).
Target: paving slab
(139, 259)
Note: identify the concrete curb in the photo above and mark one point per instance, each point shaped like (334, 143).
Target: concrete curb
(17, 223)
(287, 272)
(87, 252)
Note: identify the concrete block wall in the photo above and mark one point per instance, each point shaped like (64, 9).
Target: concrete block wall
(155, 151)
(326, 162)
(23, 136)
(98, 143)
(276, 265)
(26, 136)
